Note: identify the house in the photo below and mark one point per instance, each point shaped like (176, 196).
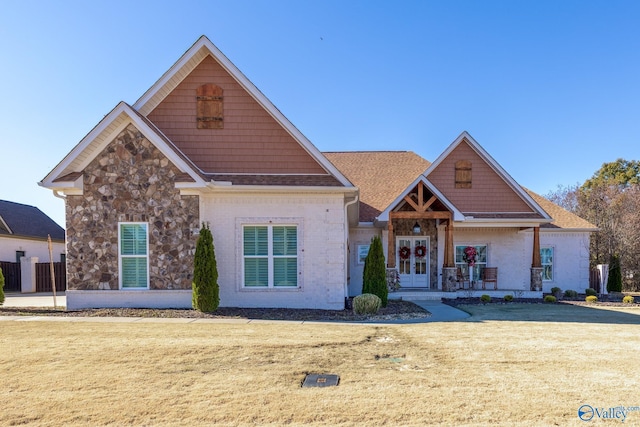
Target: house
(290, 224)
(23, 233)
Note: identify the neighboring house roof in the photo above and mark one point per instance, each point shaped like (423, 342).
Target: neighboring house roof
(18, 220)
(380, 175)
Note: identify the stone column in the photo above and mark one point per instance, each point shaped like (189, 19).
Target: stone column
(536, 279)
(449, 279)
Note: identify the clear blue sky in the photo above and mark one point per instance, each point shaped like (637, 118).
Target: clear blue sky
(550, 89)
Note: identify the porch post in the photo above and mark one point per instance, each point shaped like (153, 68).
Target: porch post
(536, 263)
(448, 246)
(449, 267)
(391, 247)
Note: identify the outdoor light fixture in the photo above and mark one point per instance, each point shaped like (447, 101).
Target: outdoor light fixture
(416, 228)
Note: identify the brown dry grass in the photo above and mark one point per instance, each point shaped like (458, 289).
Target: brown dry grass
(493, 370)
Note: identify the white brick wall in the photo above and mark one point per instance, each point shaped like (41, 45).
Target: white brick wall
(321, 241)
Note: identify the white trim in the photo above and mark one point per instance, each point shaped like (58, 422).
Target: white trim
(412, 258)
(457, 215)
(101, 135)
(553, 263)
(120, 256)
(270, 222)
(6, 226)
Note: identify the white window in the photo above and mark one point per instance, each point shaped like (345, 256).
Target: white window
(546, 258)
(133, 243)
(270, 256)
(480, 262)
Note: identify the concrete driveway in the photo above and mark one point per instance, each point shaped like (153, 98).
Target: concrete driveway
(41, 299)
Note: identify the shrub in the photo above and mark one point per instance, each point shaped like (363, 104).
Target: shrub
(485, 298)
(206, 292)
(614, 282)
(366, 304)
(570, 294)
(628, 299)
(590, 291)
(508, 298)
(555, 290)
(374, 277)
(591, 298)
(1, 287)
(550, 298)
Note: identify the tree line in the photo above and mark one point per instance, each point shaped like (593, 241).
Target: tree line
(610, 200)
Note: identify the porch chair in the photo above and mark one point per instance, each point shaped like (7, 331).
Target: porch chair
(460, 280)
(489, 275)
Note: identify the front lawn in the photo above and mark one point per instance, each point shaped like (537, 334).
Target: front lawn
(505, 366)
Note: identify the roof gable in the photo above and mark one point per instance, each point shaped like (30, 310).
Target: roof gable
(66, 175)
(27, 221)
(256, 139)
(492, 193)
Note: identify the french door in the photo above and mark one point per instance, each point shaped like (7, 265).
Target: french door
(412, 259)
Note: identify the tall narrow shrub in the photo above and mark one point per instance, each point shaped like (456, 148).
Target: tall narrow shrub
(374, 280)
(206, 292)
(614, 282)
(1, 287)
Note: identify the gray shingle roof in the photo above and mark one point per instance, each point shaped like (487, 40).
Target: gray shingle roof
(27, 221)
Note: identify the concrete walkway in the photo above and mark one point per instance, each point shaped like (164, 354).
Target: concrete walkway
(439, 313)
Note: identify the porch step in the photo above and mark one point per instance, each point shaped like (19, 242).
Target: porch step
(420, 295)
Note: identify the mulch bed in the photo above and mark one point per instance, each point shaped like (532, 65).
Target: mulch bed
(395, 310)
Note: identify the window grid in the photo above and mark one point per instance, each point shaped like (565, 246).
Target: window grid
(270, 256)
(546, 258)
(480, 264)
(133, 242)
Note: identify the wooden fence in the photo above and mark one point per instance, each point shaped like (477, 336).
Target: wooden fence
(43, 276)
(594, 280)
(12, 276)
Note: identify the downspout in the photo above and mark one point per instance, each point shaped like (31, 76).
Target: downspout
(346, 242)
(58, 195)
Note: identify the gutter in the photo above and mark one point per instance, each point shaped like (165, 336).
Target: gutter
(346, 242)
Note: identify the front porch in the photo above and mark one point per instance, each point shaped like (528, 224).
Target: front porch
(424, 294)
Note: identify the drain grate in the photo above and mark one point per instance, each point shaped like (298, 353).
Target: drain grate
(321, 380)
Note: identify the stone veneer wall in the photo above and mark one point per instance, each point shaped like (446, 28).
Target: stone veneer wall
(130, 181)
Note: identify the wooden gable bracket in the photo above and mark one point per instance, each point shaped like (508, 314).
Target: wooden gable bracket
(420, 206)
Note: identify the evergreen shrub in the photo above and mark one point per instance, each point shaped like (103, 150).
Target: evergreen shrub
(614, 282)
(550, 298)
(591, 298)
(206, 292)
(590, 291)
(374, 277)
(366, 304)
